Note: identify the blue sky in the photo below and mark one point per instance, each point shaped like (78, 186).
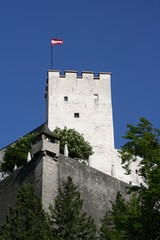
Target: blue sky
(119, 36)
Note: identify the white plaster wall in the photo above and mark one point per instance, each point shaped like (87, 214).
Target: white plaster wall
(110, 163)
(95, 120)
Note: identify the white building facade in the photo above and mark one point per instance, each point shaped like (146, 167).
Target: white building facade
(84, 103)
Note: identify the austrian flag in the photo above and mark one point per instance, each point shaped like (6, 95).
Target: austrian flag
(55, 41)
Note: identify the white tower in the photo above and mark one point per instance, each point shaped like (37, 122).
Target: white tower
(84, 103)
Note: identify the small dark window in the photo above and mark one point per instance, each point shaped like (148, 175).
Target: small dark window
(66, 98)
(130, 182)
(76, 115)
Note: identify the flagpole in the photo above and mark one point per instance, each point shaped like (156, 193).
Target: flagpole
(54, 41)
(51, 54)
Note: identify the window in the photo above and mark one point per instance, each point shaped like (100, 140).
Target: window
(65, 98)
(96, 98)
(76, 115)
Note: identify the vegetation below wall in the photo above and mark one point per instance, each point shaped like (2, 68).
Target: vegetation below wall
(27, 219)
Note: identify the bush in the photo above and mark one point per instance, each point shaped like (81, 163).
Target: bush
(77, 146)
(16, 153)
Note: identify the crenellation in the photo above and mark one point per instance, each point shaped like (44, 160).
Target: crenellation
(104, 75)
(74, 74)
(54, 73)
(70, 71)
(88, 75)
(70, 74)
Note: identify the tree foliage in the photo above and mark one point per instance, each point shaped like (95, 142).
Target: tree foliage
(123, 222)
(26, 220)
(16, 153)
(67, 220)
(140, 217)
(77, 146)
(143, 140)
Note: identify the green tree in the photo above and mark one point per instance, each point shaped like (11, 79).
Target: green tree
(141, 219)
(16, 153)
(123, 221)
(26, 220)
(143, 141)
(66, 217)
(77, 146)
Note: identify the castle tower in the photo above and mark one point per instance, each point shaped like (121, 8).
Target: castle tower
(83, 103)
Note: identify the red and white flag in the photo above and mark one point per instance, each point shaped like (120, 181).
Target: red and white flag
(55, 41)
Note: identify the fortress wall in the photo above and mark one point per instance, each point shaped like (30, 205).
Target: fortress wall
(30, 173)
(97, 188)
(49, 181)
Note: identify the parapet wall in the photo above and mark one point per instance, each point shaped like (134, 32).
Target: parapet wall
(96, 188)
(84, 74)
(74, 74)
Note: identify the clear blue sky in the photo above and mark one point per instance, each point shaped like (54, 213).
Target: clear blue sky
(121, 36)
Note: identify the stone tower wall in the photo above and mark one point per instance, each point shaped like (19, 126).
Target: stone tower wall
(86, 95)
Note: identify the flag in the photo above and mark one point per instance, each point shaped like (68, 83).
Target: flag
(55, 41)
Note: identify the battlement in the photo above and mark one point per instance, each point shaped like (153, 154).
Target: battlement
(73, 73)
